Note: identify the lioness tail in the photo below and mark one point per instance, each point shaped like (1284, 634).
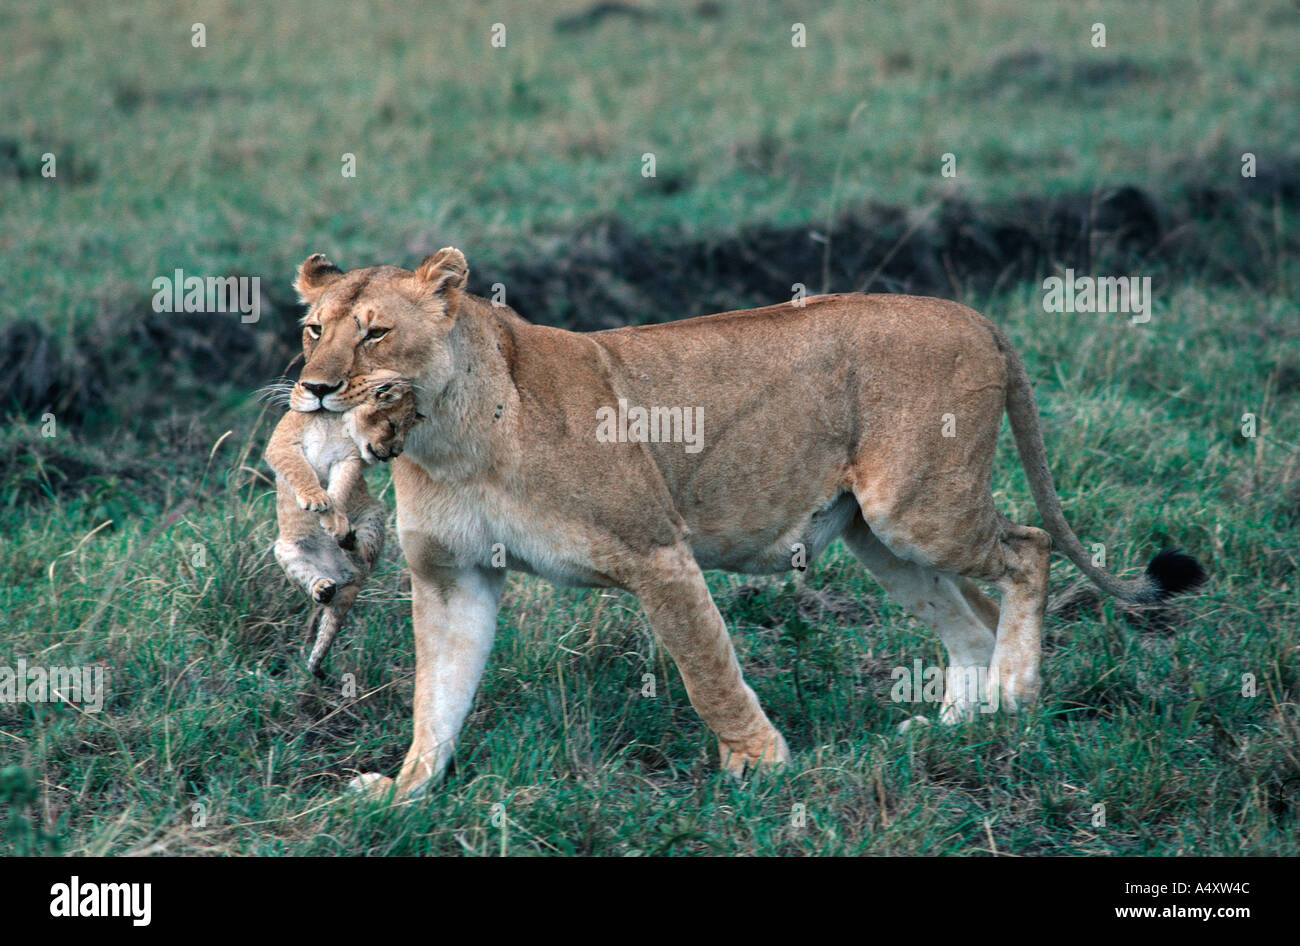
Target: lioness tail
(1169, 573)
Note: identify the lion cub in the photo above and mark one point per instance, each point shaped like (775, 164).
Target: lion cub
(331, 528)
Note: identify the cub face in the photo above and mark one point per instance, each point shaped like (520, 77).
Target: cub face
(374, 326)
(380, 425)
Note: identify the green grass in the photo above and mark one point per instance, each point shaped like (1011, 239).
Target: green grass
(227, 159)
(144, 548)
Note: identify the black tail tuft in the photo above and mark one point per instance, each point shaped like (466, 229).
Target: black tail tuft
(1173, 573)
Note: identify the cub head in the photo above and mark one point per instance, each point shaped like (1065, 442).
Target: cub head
(370, 326)
(380, 424)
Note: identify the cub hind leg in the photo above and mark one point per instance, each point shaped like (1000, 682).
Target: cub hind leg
(369, 524)
(315, 564)
(327, 621)
(362, 548)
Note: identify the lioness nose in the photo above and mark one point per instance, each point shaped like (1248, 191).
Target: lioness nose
(320, 389)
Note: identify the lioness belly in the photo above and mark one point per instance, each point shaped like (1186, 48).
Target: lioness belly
(780, 546)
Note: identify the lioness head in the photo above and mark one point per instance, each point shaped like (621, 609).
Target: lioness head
(370, 326)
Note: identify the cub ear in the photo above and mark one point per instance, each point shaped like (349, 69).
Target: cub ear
(315, 276)
(445, 271)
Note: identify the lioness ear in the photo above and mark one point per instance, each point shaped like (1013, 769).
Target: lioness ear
(314, 277)
(445, 271)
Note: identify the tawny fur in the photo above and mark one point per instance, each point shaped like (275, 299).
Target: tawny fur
(331, 528)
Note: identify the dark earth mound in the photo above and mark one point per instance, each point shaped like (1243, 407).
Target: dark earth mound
(603, 275)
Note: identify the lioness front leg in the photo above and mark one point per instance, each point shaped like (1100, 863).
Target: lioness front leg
(681, 611)
(454, 616)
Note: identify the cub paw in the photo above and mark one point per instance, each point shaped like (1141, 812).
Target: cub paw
(766, 751)
(337, 525)
(322, 592)
(314, 500)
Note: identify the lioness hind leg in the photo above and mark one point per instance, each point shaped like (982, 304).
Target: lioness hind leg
(974, 541)
(679, 607)
(1014, 676)
(958, 612)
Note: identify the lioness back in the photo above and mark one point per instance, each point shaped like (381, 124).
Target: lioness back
(801, 402)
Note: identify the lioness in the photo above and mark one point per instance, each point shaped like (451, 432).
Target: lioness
(868, 417)
(331, 529)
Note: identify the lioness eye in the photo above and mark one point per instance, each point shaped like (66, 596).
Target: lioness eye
(376, 333)
(313, 331)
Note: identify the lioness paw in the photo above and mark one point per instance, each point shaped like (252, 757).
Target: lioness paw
(912, 722)
(766, 751)
(371, 785)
